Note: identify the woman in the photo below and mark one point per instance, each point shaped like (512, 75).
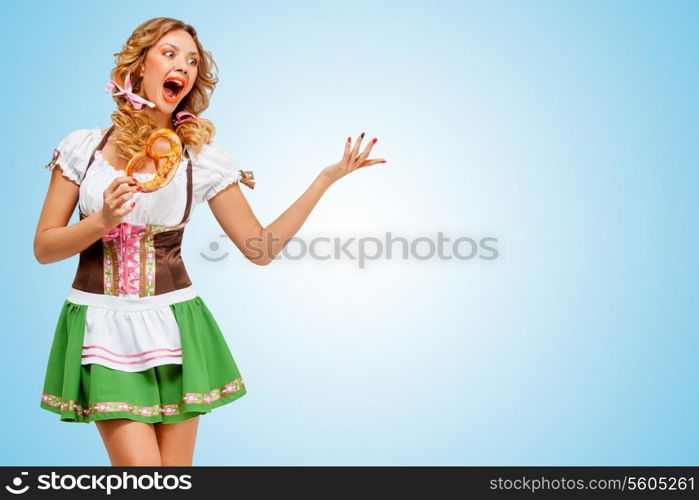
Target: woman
(136, 350)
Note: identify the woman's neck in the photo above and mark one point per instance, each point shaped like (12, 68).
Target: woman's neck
(162, 120)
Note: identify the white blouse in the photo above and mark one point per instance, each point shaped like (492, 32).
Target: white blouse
(127, 332)
(212, 170)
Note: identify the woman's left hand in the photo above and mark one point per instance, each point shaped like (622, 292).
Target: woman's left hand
(351, 161)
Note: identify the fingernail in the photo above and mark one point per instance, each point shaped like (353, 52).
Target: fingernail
(139, 188)
(349, 139)
(134, 179)
(383, 161)
(362, 136)
(133, 203)
(374, 141)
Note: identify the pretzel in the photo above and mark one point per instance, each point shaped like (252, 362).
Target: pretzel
(165, 173)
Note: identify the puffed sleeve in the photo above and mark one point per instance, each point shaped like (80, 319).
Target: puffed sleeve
(72, 154)
(214, 170)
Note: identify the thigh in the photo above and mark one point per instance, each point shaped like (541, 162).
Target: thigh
(176, 441)
(129, 442)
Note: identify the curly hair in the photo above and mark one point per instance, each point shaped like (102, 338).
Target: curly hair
(133, 127)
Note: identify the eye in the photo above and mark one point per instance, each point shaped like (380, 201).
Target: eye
(165, 52)
(196, 61)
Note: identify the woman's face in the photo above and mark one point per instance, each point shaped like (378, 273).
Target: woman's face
(173, 58)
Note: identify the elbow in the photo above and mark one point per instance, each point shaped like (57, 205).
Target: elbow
(39, 256)
(260, 261)
(258, 257)
(255, 253)
(264, 259)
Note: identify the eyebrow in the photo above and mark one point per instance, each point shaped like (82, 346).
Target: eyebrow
(177, 48)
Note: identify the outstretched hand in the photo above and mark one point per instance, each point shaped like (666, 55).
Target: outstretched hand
(351, 161)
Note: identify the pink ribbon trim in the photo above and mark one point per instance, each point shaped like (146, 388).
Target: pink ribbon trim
(136, 100)
(138, 355)
(86, 356)
(127, 237)
(184, 116)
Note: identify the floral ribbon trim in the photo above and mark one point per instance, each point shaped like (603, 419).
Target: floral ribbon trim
(247, 178)
(144, 411)
(53, 161)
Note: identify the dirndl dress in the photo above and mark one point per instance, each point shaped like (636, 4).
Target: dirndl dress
(133, 339)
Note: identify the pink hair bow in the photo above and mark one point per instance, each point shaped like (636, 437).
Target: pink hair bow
(136, 100)
(183, 116)
(127, 238)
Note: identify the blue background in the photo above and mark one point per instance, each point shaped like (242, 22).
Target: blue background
(566, 130)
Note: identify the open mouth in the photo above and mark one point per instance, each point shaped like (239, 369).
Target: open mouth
(172, 88)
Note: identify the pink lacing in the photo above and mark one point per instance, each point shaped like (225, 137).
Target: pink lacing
(127, 238)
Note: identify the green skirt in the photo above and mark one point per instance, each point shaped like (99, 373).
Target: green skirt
(207, 378)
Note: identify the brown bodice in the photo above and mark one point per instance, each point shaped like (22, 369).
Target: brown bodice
(135, 259)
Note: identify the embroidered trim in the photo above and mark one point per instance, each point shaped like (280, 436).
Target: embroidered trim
(111, 268)
(148, 269)
(145, 411)
(160, 229)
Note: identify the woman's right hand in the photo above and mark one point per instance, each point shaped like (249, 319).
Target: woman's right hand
(118, 193)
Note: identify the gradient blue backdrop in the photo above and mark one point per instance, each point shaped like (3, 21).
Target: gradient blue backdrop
(566, 130)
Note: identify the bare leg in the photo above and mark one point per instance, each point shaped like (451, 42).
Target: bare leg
(176, 442)
(129, 442)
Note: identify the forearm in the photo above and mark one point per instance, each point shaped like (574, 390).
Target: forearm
(277, 234)
(58, 243)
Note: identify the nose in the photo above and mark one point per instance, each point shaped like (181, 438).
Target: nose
(181, 65)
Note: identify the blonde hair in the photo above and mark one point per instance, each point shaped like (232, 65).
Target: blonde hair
(132, 127)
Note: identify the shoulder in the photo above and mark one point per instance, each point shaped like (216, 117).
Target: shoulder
(79, 142)
(214, 168)
(82, 135)
(212, 156)
(73, 151)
